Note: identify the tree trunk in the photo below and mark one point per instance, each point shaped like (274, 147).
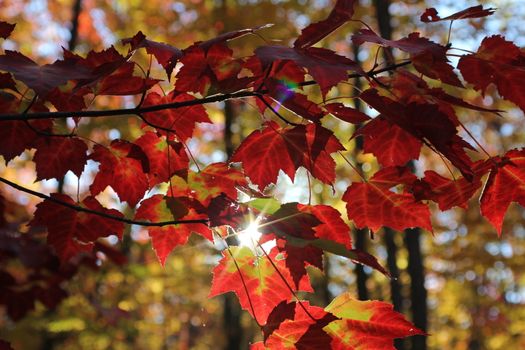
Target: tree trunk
(359, 235)
(395, 285)
(418, 292)
(385, 29)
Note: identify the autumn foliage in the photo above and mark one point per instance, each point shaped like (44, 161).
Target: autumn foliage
(415, 111)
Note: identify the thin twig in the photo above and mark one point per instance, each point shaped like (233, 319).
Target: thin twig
(274, 111)
(104, 215)
(173, 105)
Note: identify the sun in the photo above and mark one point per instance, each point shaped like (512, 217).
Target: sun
(250, 235)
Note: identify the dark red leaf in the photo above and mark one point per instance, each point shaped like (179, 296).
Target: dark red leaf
(427, 57)
(123, 82)
(224, 211)
(321, 143)
(192, 76)
(18, 136)
(123, 166)
(431, 15)
(6, 29)
(282, 312)
(71, 232)
(164, 161)
(498, 62)
(42, 79)
(166, 55)
(325, 66)
(449, 193)
(427, 123)
(349, 115)
(388, 142)
(181, 121)
(340, 14)
(7, 82)
(55, 156)
(67, 101)
(506, 184)
(297, 103)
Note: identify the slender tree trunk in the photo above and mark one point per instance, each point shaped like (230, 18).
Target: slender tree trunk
(418, 292)
(71, 44)
(395, 285)
(233, 330)
(232, 327)
(77, 8)
(359, 235)
(385, 29)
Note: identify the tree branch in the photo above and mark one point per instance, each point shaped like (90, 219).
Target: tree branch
(199, 101)
(104, 215)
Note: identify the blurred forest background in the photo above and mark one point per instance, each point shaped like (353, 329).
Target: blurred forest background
(471, 281)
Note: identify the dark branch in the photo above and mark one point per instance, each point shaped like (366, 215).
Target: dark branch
(104, 215)
(199, 101)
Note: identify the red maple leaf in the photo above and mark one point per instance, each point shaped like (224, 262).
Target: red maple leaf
(264, 153)
(71, 232)
(18, 136)
(123, 82)
(349, 115)
(409, 88)
(181, 121)
(213, 181)
(166, 158)
(498, 62)
(261, 288)
(365, 325)
(42, 79)
(55, 156)
(332, 226)
(390, 144)
(340, 14)
(446, 192)
(166, 55)
(431, 14)
(506, 184)
(428, 57)
(297, 103)
(159, 208)
(123, 166)
(427, 123)
(371, 204)
(325, 66)
(298, 324)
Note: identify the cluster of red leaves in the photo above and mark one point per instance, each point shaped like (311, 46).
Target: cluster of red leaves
(411, 115)
(30, 270)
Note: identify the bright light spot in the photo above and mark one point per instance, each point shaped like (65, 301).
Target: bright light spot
(250, 235)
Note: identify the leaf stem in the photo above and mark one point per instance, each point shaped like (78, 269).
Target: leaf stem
(286, 282)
